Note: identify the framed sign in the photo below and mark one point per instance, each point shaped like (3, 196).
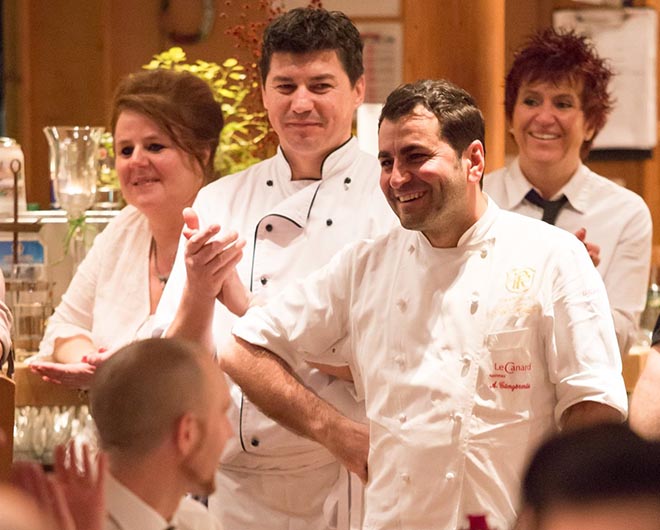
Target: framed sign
(627, 38)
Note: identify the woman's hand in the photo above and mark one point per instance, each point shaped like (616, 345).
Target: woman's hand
(592, 248)
(74, 375)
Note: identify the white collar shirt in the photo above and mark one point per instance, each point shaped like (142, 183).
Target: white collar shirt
(108, 297)
(468, 356)
(126, 511)
(615, 218)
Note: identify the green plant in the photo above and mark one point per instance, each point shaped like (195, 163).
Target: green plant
(107, 172)
(244, 139)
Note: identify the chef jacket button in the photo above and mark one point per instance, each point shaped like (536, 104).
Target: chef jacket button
(254, 442)
(329, 222)
(347, 180)
(269, 182)
(484, 253)
(263, 280)
(269, 227)
(402, 418)
(450, 475)
(457, 417)
(405, 477)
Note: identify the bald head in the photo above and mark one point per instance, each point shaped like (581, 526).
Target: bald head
(140, 393)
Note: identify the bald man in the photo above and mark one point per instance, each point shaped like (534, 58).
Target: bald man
(160, 409)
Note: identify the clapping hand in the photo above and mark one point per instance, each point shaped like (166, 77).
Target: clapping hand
(592, 248)
(74, 375)
(83, 484)
(73, 498)
(211, 261)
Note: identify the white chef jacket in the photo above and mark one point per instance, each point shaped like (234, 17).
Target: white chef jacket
(126, 511)
(108, 297)
(616, 219)
(292, 228)
(468, 356)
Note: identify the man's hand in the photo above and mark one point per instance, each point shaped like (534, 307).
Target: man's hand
(592, 248)
(29, 477)
(74, 375)
(210, 261)
(340, 372)
(349, 442)
(83, 485)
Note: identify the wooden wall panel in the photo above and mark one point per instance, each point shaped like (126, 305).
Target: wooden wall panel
(65, 58)
(70, 55)
(464, 43)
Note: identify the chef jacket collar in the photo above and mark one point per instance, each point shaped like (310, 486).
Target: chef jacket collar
(478, 234)
(335, 163)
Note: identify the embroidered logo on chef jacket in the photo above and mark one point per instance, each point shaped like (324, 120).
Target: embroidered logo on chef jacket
(519, 280)
(511, 362)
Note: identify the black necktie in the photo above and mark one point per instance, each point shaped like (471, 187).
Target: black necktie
(550, 208)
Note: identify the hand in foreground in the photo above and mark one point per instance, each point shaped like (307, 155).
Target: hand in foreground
(83, 485)
(350, 444)
(209, 260)
(74, 375)
(46, 492)
(592, 248)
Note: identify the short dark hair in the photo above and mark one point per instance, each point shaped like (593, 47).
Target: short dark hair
(181, 104)
(459, 117)
(141, 391)
(557, 56)
(304, 30)
(594, 464)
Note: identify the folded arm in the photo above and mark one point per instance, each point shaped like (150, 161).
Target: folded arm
(589, 413)
(271, 385)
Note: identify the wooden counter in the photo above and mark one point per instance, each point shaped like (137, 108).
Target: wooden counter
(32, 390)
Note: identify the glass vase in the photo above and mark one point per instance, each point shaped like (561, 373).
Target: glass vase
(74, 156)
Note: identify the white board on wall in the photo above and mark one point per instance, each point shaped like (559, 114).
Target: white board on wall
(628, 38)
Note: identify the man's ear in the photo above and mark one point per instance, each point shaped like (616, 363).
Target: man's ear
(359, 91)
(475, 158)
(187, 434)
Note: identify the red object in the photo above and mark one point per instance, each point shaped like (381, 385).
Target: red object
(478, 522)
